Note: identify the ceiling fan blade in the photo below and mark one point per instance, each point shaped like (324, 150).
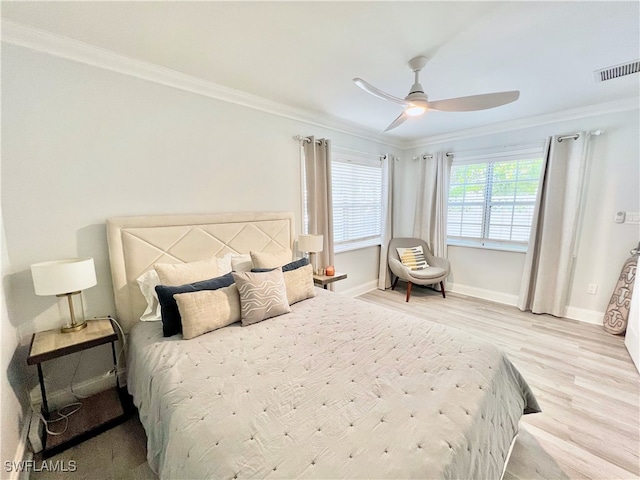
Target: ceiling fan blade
(475, 102)
(376, 92)
(398, 121)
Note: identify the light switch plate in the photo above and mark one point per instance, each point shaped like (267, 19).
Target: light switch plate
(632, 217)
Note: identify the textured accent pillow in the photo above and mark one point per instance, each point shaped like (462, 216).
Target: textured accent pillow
(208, 310)
(299, 284)
(413, 257)
(174, 274)
(262, 295)
(147, 283)
(171, 321)
(241, 262)
(271, 259)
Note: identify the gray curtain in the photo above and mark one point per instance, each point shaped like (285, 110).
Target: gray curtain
(388, 188)
(430, 222)
(317, 168)
(550, 257)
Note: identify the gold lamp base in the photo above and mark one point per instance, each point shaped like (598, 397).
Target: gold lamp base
(73, 328)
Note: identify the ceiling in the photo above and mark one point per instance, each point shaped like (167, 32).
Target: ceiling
(304, 54)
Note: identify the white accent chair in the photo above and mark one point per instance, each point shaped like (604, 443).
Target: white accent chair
(437, 271)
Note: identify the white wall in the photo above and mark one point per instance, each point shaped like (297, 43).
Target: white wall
(13, 402)
(613, 185)
(81, 144)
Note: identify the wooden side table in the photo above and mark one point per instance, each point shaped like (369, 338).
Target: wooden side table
(99, 412)
(324, 280)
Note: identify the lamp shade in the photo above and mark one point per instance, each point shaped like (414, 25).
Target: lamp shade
(63, 276)
(310, 243)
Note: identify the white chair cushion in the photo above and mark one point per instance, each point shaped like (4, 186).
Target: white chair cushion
(427, 273)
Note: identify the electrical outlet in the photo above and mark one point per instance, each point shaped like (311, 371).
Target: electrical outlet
(592, 289)
(36, 429)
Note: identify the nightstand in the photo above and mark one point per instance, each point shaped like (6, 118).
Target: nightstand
(324, 280)
(99, 412)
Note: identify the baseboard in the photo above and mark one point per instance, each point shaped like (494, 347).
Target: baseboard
(360, 289)
(584, 315)
(59, 398)
(22, 452)
(573, 313)
(492, 295)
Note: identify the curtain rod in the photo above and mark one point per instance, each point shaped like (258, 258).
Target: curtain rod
(300, 138)
(576, 136)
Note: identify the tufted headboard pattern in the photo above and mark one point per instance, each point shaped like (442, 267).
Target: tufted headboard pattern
(137, 243)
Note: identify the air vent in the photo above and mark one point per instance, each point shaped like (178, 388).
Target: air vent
(617, 71)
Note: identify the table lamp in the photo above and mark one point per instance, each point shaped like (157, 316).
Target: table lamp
(65, 278)
(311, 244)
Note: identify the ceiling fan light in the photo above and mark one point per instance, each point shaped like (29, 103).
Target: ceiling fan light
(415, 110)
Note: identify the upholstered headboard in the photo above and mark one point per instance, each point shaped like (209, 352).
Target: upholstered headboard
(136, 243)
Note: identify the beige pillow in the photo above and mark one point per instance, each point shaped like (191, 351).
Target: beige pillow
(299, 284)
(174, 274)
(262, 295)
(271, 259)
(208, 310)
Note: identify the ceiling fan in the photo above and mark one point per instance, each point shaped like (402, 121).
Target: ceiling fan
(417, 103)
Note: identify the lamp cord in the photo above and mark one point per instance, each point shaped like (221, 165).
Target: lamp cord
(61, 416)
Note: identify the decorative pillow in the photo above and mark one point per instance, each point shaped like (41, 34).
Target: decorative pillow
(241, 262)
(271, 259)
(174, 274)
(147, 283)
(298, 279)
(299, 284)
(413, 257)
(171, 321)
(295, 264)
(208, 310)
(224, 264)
(262, 295)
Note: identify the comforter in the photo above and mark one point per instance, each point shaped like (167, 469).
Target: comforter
(338, 388)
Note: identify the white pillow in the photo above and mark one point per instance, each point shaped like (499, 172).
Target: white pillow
(147, 282)
(241, 262)
(224, 264)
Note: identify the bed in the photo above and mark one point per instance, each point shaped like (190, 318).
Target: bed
(337, 388)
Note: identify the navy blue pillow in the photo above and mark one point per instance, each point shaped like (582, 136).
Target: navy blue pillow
(171, 320)
(286, 268)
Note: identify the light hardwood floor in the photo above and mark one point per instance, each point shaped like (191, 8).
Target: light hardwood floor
(584, 380)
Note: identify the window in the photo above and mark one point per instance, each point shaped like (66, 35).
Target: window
(357, 202)
(492, 198)
(356, 182)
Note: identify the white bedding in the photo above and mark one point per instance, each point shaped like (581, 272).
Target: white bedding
(338, 388)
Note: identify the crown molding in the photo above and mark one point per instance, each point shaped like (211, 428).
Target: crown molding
(64, 47)
(616, 106)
